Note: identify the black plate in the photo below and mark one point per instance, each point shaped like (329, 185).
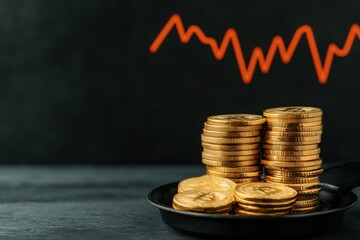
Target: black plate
(333, 204)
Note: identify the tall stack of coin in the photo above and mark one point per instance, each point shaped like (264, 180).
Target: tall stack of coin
(231, 146)
(291, 153)
(264, 198)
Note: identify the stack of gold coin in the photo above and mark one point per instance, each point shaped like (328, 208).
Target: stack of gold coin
(263, 198)
(206, 182)
(200, 200)
(231, 146)
(291, 153)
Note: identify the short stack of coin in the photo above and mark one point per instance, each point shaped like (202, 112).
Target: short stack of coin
(264, 198)
(231, 146)
(200, 200)
(205, 194)
(207, 182)
(291, 153)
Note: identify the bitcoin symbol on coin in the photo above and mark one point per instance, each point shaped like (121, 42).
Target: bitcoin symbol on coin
(205, 197)
(266, 190)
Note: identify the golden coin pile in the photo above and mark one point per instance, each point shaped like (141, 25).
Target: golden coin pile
(231, 146)
(207, 183)
(291, 153)
(205, 194)
(262, 198)
(200, 200)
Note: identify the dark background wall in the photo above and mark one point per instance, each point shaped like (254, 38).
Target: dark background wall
(79, 85)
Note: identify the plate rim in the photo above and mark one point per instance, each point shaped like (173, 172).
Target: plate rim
(235, 216)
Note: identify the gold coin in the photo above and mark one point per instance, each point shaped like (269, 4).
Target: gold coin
(224, 128)
(291, 143)
(220, 140)
(304, 209)
(230, 158)
(264, 191)
(236, 119)
(293, 120)
(299, 186)
(292, 179)
(244, 212)
(233, 175)
(292, 153)
(294, 129)
(311, 191)
(232, 153)
(292, 138)
(217, 211)
(290, 147)
(207, 183)
(307, 201)
(293, 125)
(266, 204)
(291, 164)
(234, 169)
(215, 163)
(230, 147)
(291, 158)
(310, 173)
(220, 210)
(294, 169)
(253, 208)
(293, 112)
(245, 180)
(211, 133)
(293, 134)
(201, 200)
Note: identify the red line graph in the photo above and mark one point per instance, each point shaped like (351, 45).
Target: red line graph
(258, 57)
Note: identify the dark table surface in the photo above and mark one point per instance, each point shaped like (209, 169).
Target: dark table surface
(100, 202)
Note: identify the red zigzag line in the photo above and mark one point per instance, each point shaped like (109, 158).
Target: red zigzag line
(257, 56)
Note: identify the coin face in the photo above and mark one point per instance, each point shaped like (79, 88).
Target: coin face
(264, 191)
(293, 112)
(236, 119)
(201, 200)
(207, 183)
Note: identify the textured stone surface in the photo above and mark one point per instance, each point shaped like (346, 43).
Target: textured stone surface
(99, 202)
